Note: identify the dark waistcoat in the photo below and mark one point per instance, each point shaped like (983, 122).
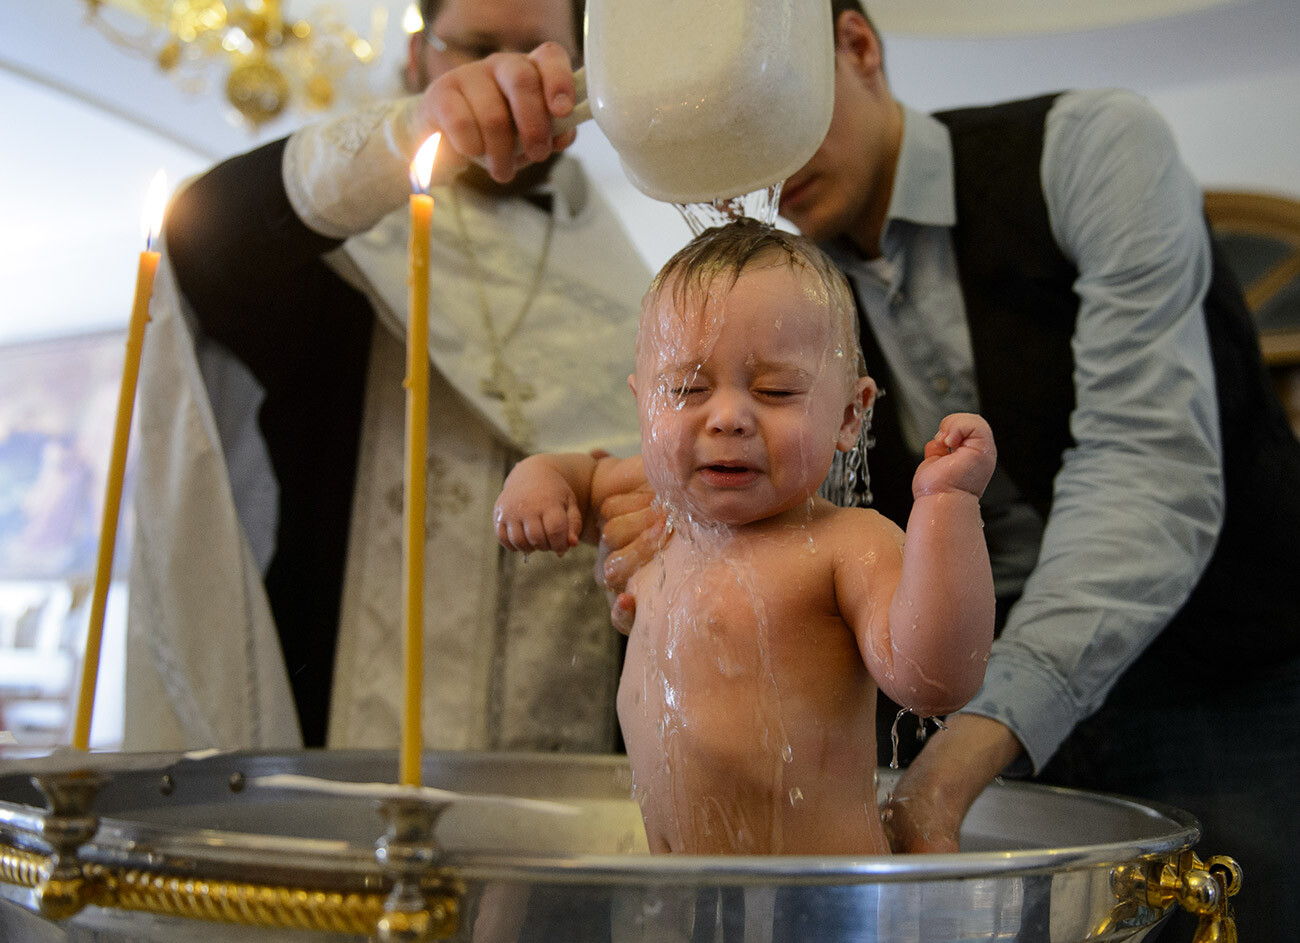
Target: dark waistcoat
(1021, 308)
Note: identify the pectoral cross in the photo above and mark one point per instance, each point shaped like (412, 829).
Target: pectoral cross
(506, 386)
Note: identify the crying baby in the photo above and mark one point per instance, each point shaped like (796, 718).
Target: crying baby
(769, 617)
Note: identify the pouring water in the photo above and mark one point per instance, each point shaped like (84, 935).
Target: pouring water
(760, 205)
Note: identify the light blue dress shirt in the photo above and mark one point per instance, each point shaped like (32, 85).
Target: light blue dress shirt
(1138, 503)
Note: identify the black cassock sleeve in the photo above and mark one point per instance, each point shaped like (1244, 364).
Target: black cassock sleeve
(252, 273)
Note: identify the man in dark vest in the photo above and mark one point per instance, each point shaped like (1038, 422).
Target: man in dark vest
(1046, 263)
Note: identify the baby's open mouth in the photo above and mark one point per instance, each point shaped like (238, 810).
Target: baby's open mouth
(728, 474)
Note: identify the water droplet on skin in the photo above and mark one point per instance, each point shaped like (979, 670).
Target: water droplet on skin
(690, 616)
(847, 483)
(893, 740)
(796, 795)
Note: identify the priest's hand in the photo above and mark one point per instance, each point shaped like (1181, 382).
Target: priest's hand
(499, 111)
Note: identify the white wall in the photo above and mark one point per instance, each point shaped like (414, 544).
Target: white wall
(1240, 133)
(1227, 80)
(73, 181)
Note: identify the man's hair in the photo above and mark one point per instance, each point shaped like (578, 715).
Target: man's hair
(840, 6)
(721, 254)
(429, 12)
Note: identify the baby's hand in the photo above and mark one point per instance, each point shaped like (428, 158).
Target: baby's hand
(537, 510)
(960, 457)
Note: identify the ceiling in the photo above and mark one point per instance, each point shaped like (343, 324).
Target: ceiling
(1021, 17)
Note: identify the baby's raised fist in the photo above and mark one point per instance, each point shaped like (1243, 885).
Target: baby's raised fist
(960, 457)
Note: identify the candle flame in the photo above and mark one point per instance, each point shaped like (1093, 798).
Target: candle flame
(412, 21)
(422, 166)
(155, 202)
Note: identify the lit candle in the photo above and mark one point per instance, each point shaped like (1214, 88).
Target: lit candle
(151, 223)
(417, 419)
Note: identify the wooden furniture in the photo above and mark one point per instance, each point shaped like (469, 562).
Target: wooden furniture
(1260, 235)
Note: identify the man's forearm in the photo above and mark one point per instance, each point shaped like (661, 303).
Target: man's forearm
(931, 799)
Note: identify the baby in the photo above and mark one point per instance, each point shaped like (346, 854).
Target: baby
(766, 622)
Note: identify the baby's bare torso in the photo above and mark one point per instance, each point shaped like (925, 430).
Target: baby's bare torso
(745, 704)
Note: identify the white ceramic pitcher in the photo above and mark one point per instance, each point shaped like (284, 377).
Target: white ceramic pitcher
(709, 99)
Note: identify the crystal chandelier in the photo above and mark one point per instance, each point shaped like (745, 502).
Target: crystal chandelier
(271, 62)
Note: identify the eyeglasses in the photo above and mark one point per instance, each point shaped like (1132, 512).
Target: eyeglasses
(470, 50)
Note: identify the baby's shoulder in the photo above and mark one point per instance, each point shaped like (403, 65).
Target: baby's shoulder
(860, 529)
(859, 520)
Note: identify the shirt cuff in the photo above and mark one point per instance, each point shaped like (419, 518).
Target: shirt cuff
(344, 175)
(1030, 700)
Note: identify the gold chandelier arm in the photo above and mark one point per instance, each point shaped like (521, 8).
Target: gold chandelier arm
(142, 42)
(270, 63)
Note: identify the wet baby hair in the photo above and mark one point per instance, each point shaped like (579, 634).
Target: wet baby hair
(717, 257)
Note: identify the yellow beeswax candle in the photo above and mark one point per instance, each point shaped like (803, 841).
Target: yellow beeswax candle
(148, 266)
(417, 418)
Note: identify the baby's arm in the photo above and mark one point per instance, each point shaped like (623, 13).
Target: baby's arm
(546, 500)
(942, 612)
(921, 604)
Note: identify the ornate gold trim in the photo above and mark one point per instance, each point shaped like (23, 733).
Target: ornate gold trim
(254, 905)
(1202, 888)
(234, 902)
(22, 868)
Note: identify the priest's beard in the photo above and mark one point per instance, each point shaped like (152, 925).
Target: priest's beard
(527, 179)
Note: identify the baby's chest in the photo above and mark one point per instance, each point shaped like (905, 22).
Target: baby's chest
(695, 594)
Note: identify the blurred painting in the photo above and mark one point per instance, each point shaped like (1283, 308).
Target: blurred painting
(58, 403)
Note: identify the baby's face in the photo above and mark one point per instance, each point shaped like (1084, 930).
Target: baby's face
(744, 397)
